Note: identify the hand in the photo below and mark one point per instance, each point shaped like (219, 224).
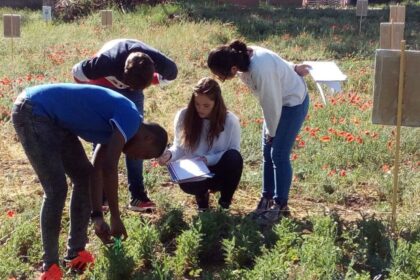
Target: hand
(117, 228)
(102, 230)
(203, 158)
(268, 139)
(302, 69)
(164, 158)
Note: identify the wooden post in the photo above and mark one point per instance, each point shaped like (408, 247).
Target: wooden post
(397, 13)
(11, 25)
(391, 34)
(398, 136)
(106, 17)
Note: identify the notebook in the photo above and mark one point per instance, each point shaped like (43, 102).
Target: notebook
(188, 170)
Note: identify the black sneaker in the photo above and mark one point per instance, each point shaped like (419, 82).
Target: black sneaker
(273, 215)
(263, 205)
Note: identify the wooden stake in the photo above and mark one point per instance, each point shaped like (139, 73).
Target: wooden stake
(398, 135)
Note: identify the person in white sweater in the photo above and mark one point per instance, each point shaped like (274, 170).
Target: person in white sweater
(282, 93)
(206, 130)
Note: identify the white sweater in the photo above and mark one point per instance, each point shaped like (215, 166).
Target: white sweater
(229, 138)
(275, 84)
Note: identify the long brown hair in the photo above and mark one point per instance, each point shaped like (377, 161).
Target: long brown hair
(193, 124)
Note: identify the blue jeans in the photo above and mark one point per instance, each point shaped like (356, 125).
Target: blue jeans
(277, 169)
(54, 152)
(134, 166)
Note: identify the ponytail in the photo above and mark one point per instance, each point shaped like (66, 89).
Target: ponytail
(223, 58)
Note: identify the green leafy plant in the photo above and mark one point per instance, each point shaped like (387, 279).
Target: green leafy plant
(186, 260)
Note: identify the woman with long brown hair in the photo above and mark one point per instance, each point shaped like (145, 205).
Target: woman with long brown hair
(206, 130)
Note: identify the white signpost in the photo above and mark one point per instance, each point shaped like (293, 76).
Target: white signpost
(46, 13)
(361, 11)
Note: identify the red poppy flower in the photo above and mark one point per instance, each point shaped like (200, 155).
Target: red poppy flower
(325, 138)
(332, 172)
(385, 168)
(301, 144)
(10, 213)
(350, 138)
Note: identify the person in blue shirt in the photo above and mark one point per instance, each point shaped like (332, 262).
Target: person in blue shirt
(128, 66)
(49, 119)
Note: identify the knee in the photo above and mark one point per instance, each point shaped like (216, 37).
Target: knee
(188, 188)
(233, 158)
(57, 195)
(280, 156)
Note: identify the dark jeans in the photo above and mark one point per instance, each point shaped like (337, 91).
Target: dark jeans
(227, 174)
(54, 152)
(277, 170)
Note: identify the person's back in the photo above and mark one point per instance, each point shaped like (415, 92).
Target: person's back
(86, 110)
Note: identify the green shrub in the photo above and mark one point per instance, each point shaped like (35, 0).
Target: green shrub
(317, 263)
(143, 241)
(214, 227)
(186, 261)
(20, 250)
(405, 263)
(170, 225)
(113, 263)
(243, 245)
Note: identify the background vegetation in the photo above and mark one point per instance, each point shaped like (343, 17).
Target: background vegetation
(341, 192)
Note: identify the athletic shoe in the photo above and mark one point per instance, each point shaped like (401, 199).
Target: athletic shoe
(53, 273)
(84, 260)
(273, 215)
(141, 205)
(263, 205)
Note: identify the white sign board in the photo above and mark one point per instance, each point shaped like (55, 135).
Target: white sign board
(327, 73)
(361, 8)
(46, 13)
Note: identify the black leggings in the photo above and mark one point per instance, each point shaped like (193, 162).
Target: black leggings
(227, 174)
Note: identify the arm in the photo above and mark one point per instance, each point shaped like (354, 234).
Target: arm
(176, 150)
(166, 69)
(270, 95)
(105, 164)
(233, 134)
(300, 69)
(92, 69)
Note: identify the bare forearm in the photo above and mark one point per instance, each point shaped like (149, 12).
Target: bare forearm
(110, 183)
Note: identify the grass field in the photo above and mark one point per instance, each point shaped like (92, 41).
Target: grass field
(342, 185)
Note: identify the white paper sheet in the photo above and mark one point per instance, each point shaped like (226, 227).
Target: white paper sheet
(326, 73)
(188, 170)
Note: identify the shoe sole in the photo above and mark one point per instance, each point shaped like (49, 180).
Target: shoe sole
(141, 209)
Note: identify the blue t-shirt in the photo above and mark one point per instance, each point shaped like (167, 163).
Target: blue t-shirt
(91, 112)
